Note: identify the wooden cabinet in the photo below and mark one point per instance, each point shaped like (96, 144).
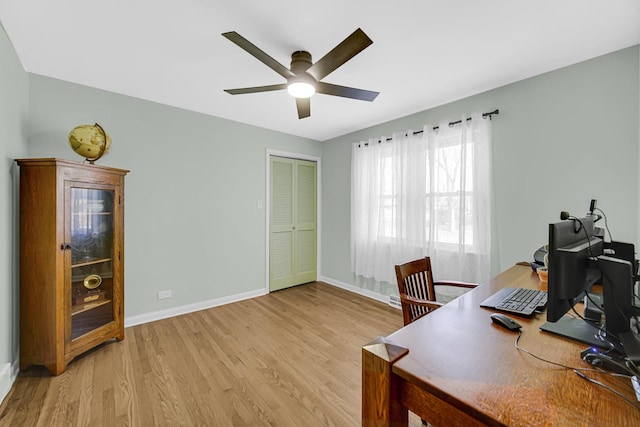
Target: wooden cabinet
(71, 260)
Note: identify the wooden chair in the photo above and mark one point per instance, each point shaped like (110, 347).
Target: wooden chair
(417, 288)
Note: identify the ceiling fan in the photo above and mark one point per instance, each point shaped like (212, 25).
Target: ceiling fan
(304, 77)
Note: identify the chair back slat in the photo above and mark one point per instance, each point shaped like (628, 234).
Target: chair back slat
(415, 279)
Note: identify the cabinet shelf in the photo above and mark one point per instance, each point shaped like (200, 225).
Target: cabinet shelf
(90, 213)
(92, 262)
(81, 308)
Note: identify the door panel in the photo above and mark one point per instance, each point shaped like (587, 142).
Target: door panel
(305, 256)
(305, 218)
(281, 259)
(306, 193)
(292, 246)
(281, 272)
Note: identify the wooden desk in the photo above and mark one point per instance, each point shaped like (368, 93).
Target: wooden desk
(455, 367)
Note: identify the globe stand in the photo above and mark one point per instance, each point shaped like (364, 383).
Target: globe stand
(102, 148)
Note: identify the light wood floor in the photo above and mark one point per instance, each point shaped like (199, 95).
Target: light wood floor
(290, 358)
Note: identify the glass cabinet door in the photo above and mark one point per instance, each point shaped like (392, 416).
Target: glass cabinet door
(92, 226)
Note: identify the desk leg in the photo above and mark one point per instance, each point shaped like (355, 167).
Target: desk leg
(380, 393)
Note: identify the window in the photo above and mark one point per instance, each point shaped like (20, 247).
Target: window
(423, 195)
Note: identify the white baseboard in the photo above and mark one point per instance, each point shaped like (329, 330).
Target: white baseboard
(189, 308)
(369, 294)
(203, 305)
(8, 375)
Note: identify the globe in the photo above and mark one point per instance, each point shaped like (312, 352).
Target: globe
(90, 141)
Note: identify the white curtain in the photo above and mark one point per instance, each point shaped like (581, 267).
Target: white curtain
(423, 194)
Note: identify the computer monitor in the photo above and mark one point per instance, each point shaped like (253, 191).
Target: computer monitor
(618, 280)
(572, 267)
(572, 272)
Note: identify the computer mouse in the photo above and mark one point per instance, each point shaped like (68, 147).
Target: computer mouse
(505, 321)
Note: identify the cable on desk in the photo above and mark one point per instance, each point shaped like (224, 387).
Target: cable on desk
(580, 371)
(591, 380)
(541, 358)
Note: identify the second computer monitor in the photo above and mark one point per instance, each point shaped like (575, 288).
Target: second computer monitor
(572, 272)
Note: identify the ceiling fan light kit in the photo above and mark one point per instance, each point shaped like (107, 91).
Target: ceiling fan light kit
(304, 77)
(302, 85)
(301, 89)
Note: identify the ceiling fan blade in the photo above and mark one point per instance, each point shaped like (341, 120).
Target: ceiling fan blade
(350, 47)
(346, 92)
(256, 89)
(304, 107)
(259, 54)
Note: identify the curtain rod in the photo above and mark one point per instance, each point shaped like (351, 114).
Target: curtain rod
(484, 116)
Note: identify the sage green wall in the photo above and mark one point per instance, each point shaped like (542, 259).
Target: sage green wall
(191, 219)
(13, 144)
(561, 139)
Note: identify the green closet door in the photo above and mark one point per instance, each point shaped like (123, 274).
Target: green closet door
(292, 243)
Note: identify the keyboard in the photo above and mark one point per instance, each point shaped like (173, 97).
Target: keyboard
(523, 302)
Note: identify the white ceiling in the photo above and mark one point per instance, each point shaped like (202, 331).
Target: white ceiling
(424, 53)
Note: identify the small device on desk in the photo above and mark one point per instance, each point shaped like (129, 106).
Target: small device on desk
(595, 357)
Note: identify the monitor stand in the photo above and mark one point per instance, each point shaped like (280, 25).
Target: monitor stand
(631, 344)
(581, 331)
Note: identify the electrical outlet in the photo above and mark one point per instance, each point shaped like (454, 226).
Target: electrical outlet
(164, 294)
(394, 301)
